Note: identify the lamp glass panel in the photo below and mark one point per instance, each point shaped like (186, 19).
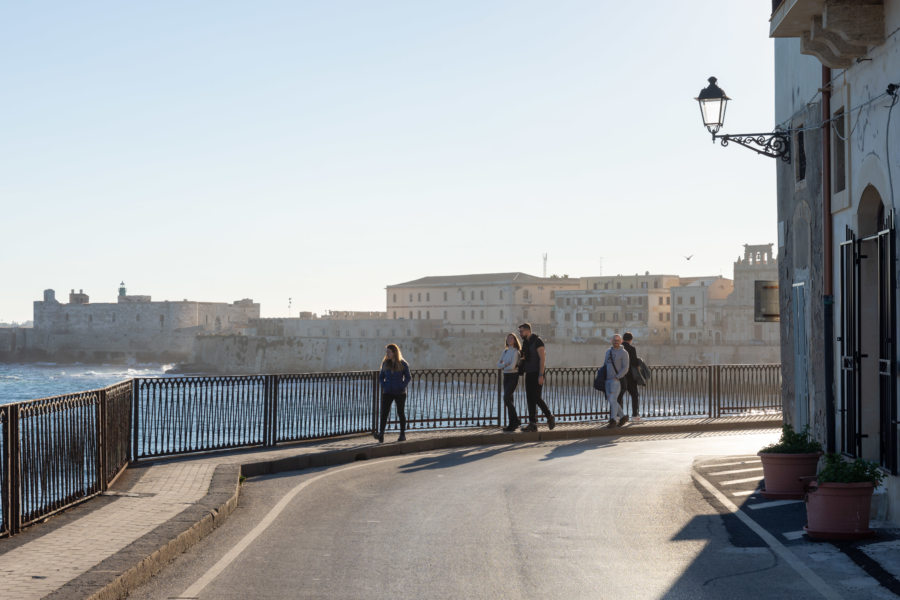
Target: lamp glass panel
(713, 111)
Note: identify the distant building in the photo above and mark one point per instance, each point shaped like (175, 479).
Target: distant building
(134, 326)
(480, 303)
(614, 304)
(699, 310)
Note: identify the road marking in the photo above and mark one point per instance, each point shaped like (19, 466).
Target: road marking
(773, 504)
(735, 481)
(777, 547)
(744, 493)
(733, 471)
(794, 535)
(194, 590)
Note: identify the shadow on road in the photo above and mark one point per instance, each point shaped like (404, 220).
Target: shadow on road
(455, 459)
(576, 448)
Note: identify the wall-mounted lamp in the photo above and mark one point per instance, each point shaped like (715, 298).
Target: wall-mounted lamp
(713, 102)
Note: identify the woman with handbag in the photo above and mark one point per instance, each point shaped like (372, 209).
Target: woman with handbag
(509, 362)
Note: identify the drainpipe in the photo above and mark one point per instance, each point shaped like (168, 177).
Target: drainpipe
(827, 252)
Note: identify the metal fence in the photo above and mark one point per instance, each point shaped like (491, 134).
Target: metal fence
(56, 452)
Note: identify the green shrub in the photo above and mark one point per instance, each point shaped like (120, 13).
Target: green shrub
(838, 470)
(793, 442)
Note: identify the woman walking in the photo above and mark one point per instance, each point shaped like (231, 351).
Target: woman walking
(509, 362)
(394, 378)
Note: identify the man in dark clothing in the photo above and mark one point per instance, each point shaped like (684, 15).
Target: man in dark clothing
(534, 354)
(629, 383)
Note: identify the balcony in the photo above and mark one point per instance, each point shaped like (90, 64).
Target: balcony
(836, 32)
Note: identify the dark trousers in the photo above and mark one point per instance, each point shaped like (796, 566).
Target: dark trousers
(386, 400)
(533, 395)
(630, 385)
(510, 382)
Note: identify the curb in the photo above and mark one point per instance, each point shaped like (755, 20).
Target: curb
(134, 565)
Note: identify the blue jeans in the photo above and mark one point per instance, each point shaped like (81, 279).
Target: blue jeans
(612, 393)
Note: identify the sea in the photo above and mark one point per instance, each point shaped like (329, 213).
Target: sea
(20, 382)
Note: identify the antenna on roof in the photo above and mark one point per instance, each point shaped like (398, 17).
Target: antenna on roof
(545, 265)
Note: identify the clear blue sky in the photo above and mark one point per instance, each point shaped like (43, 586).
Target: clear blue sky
(323, 150)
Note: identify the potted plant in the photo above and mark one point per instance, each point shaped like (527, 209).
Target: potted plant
(839, 500)
(794, 456)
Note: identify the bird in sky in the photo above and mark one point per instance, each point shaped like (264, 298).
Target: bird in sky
(689, 257)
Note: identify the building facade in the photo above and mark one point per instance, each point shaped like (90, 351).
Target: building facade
(613, 304)
(134, 326)
(837, 68)
(699, 310)
(476, 304)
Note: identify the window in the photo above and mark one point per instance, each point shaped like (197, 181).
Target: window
(419, 314)
(501, 294)
(462, 313)
(680, 320)
(660, 301)
(660, 316)
(473, 315)
(501, 310)
(692, 300)
(427, 296)
(525, 313)
(678, 300)
(445, 296)
(618, 285)
(839, 152)
(445, 315)
(669, 317)
(410, 297)
(395, 314)
(481, 294)
(481, 315)
(568, 302)
(395, 298)
(410, 314)
(800, 154)
(419, 297)
(428, 314)
(472, 295)
(693, 320)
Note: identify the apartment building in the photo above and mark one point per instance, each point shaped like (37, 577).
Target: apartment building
(479, 303)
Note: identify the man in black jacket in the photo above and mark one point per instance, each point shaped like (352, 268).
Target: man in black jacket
(629, 383)
(535, 359)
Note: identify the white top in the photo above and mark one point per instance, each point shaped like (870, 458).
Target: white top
(508, 360)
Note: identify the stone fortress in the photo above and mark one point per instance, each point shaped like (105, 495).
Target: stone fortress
(439, 321)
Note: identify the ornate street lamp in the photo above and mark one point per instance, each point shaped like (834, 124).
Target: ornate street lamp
(713, 101)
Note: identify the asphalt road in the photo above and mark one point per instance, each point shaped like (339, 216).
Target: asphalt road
(586, 519)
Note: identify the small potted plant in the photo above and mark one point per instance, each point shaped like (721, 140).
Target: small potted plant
(839, 500)
(793, 457)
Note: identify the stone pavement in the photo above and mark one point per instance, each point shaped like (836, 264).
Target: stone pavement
(156, 510)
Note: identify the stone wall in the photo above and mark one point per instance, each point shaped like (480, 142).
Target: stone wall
(245, 354)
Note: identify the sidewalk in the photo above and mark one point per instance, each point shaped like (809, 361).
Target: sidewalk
(156, 510)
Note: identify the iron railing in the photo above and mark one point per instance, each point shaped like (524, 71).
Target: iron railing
(56, 452)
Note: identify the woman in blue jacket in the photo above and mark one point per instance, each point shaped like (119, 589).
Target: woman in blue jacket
(394, 378)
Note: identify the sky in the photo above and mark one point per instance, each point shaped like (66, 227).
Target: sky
(322, 150)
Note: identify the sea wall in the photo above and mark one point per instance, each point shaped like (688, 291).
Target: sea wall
(246, 354)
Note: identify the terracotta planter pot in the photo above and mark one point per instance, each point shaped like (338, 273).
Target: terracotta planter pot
(782, 473)
(839, 511)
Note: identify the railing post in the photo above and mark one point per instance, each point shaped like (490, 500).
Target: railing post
(375, 402)
(500, 411)
(102, 411)
(270, 411)
(135, 423)
(12, 509)
(710, 393)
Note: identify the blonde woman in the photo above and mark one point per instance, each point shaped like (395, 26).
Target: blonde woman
(509, 363)
(394, 377)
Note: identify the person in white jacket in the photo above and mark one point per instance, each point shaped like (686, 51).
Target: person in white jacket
(509, 362)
